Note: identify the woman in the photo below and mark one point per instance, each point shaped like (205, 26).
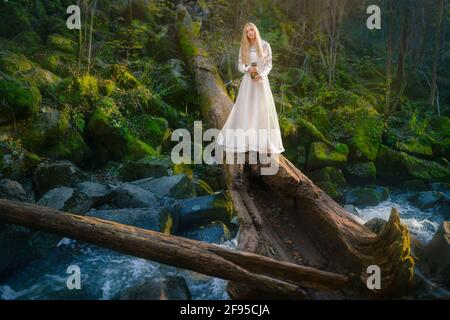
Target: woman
(253, 123)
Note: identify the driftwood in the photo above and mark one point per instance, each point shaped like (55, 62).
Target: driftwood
(282, 278)
(345, 243)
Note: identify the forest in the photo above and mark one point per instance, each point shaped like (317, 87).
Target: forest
(86, 122)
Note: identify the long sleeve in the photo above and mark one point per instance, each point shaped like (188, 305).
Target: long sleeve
(242, 67)
(267, 61)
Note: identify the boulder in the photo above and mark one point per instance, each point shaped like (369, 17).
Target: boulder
(51, 174)
(360, 173)
(426, 199)
(22, 100)
(16, 162)
(437, 254)
(150, 166)
(130, 195)
(415, 185)
(376, 225)
(203, 210)
(67, 200)
(168, 288)
(328, 174)
(14, 63)
(154, 218)
(214, 232)
(178, 186)
(12, 190)
(322, 155)
(366, 196)
(50, 134)
(61, 43)
(97, 192)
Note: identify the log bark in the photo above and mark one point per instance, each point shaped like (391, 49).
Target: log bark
(347, 244)
(282, 278)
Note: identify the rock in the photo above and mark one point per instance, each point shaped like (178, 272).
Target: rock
(440, 186)
(328, 174)
(168, 288)
(415, 185)
(321, 155)
(396, 167)
(418, 146)
(22, 100)
(437, 254)
(12, 190)
(16, 162)
(97, 192)
(376, 225)
(204, 210)
(360, 173)
(150, 166)
(42, 78)
(67, 200)
(367, 196)
(425, 200)
(129, 195)
(14, 63)
(52, 174)
(211, 174)
(50, 134)
(57, 62)
(154, 218)
(106, 132)
(178, 186)
(214, 232)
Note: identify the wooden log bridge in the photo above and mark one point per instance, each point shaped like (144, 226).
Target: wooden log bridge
(283, 279)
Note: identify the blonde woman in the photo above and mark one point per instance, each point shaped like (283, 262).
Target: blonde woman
(253, 122)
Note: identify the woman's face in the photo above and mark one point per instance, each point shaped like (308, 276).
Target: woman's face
(251, 34)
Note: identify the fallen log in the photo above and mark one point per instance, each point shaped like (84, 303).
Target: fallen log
(347, 244)
(282, 278)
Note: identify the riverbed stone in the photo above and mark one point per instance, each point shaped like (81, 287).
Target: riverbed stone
(66, 199)
(178, 186)
(360, 173)
(415, 185)
(367, 196)
(437, 254)
(322, 155)
(49, 175)
(12, 190)
(97, 192)
(203, 210)
(150, 166)
(129, 195)
(167, 288)
(426, 199)
(214, 232)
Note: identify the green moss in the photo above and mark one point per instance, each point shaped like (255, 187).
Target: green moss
(321, 155)
(61, 43)
(42, 78)
(360, 172)
(328, 174)
(59, 63)
(21, 99)
(330, 189)
(122, 76)
(14, 63)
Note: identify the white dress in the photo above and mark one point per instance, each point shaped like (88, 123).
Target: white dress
(252, 124)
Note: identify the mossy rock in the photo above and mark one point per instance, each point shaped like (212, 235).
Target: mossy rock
(214, 232)
(328, 174)
(51, 174)
(415, 185)
(22, 100)
(14, 63)
(296, 154)
(441, 125)
(150, 166)
(366, 196)
(153, 130)
(61, 43)
(59, 63)
(51, 134)
(109, 129)
(331, 189)
(321, 155)
(417, 146)
(178, 186)
(43, 79)
(360, 172)
(395, 167)
(123, 77)
(16, 162)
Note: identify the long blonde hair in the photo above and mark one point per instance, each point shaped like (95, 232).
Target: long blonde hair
(245, 44)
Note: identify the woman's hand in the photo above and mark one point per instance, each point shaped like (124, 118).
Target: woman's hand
(258, 77)
(252, 69)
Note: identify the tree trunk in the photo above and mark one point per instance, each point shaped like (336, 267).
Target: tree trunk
(280, 278)
(347, 244)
